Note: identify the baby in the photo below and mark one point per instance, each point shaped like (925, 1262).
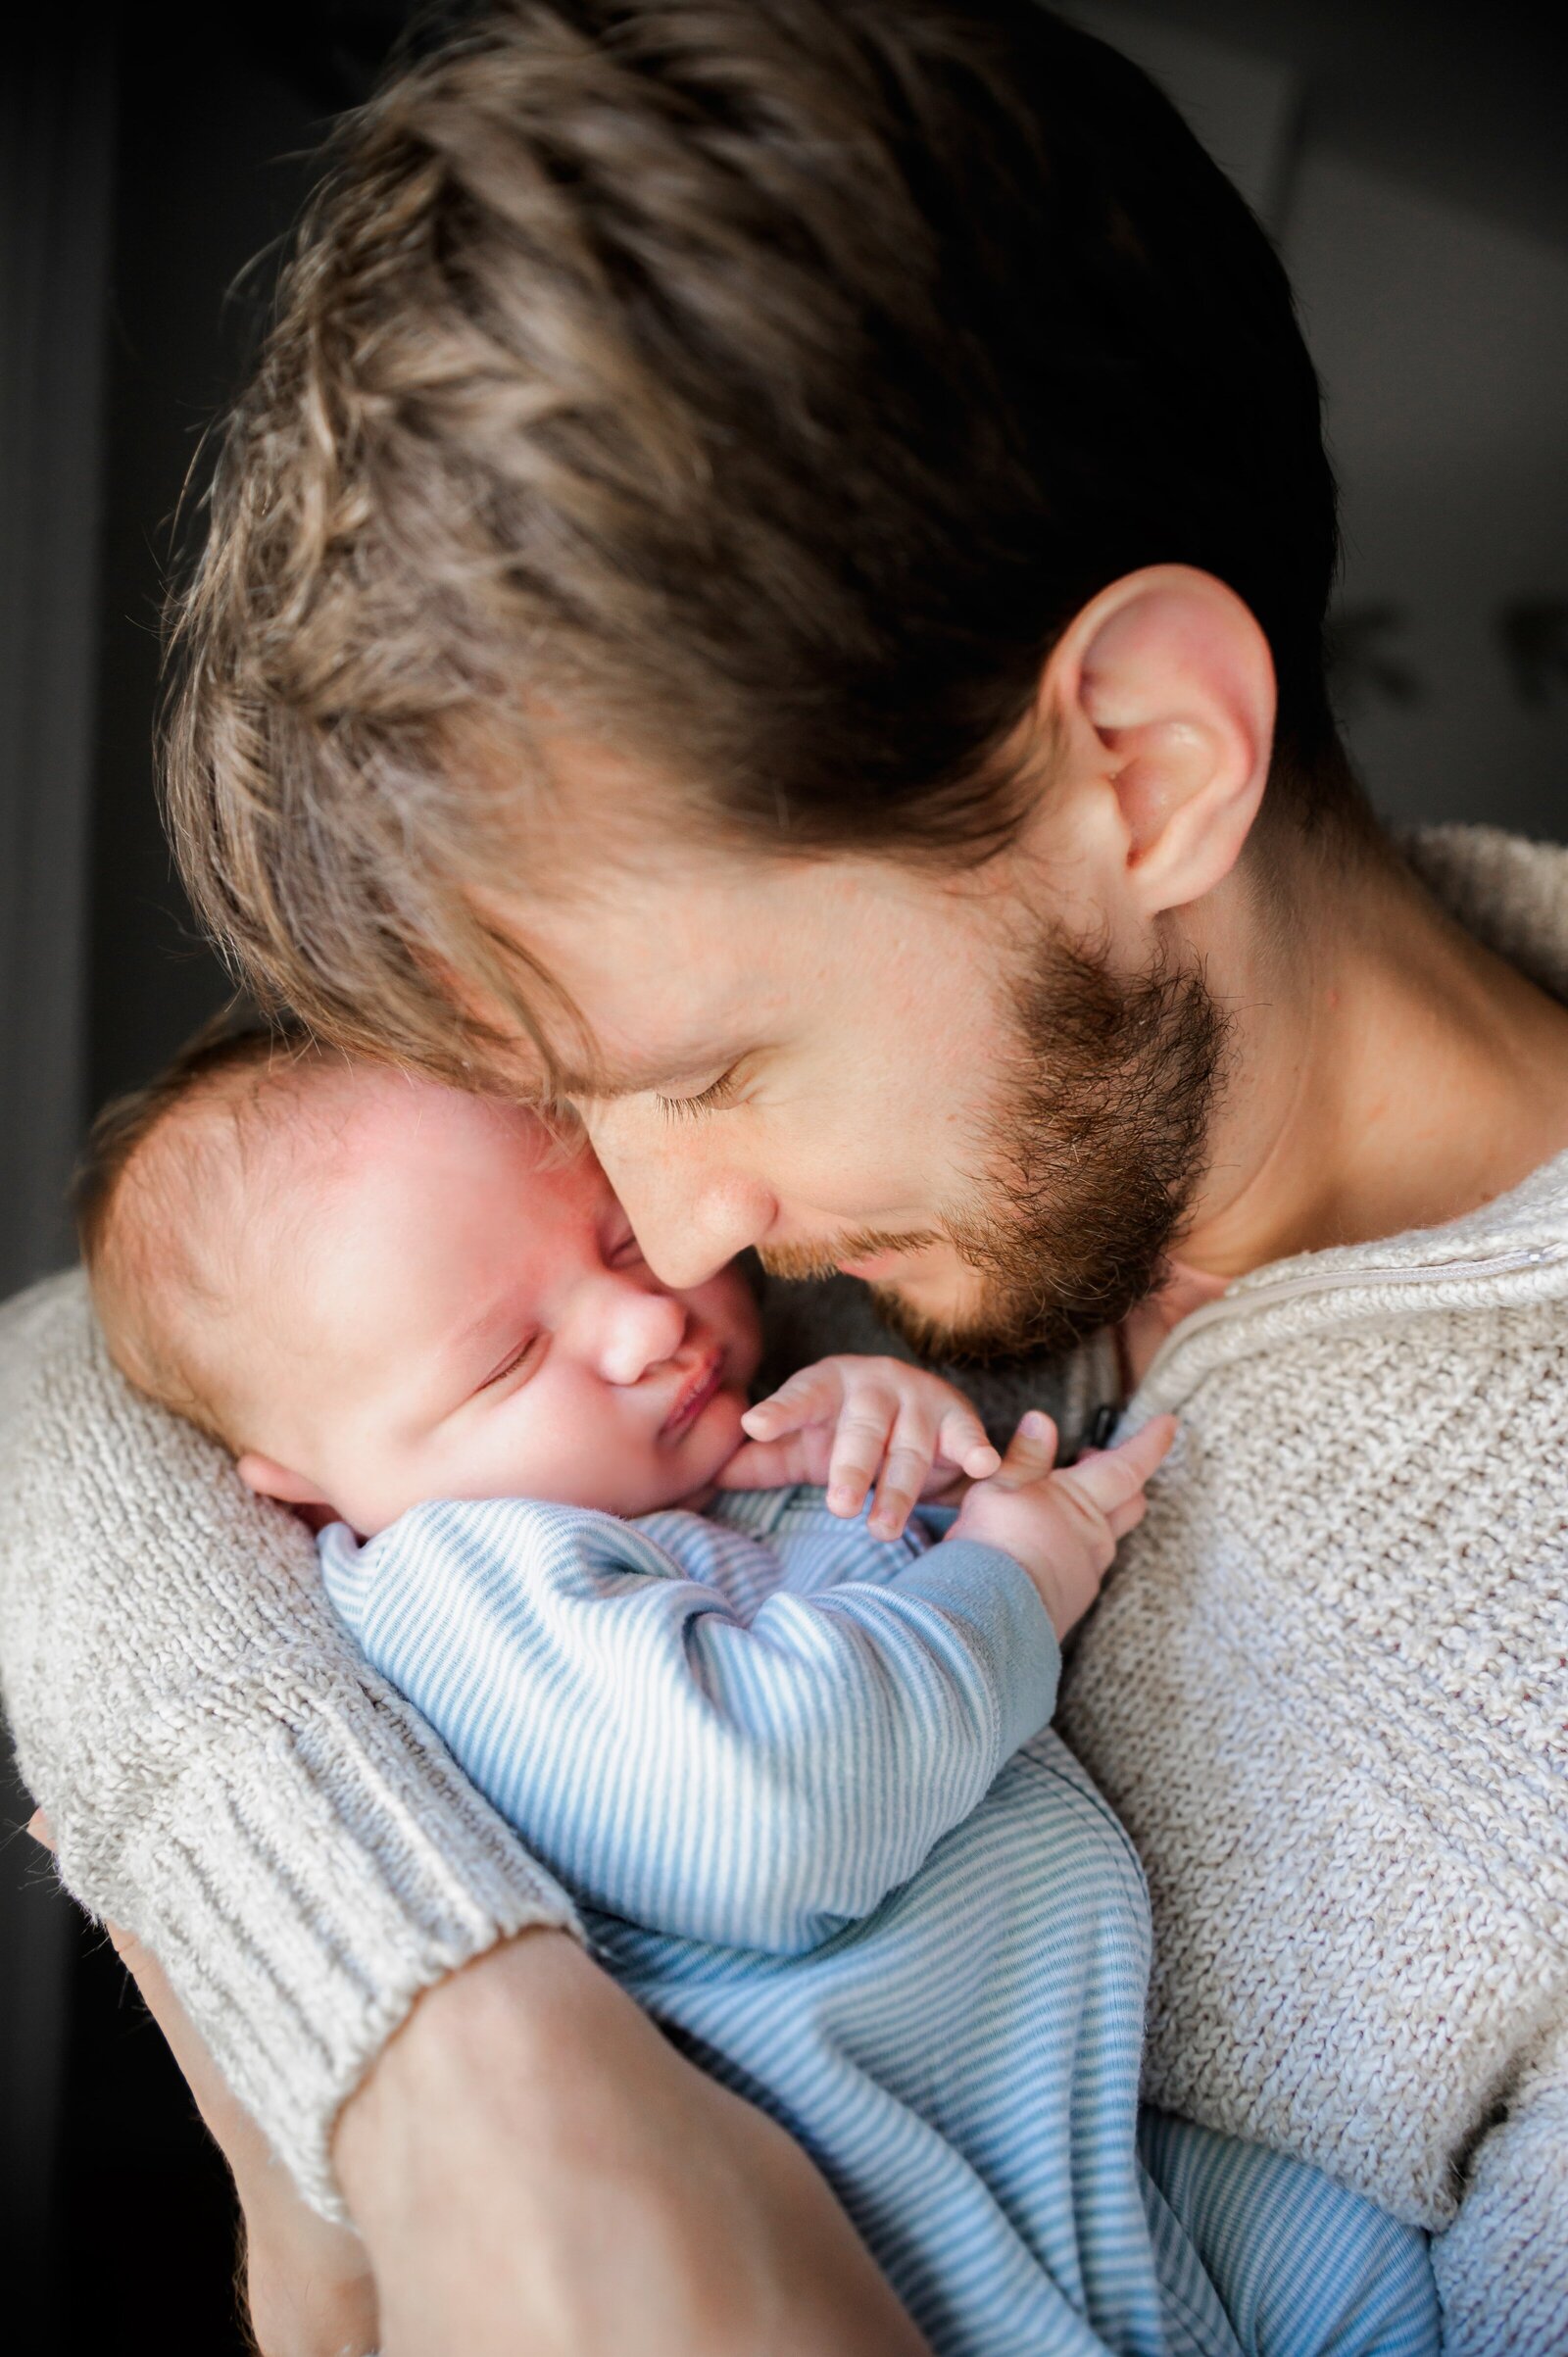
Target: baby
(788, 1748)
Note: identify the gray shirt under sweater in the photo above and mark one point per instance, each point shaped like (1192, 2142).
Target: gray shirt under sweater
(1354, 1579)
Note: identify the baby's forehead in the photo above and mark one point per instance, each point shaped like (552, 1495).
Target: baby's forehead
(304, 1187)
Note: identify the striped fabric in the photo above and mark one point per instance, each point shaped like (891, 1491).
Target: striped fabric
(797, 1780)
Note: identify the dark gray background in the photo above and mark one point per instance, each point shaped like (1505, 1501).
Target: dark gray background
(1408, 156)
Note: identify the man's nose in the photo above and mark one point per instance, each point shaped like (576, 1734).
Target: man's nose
(689, 1221)
(639, 1330)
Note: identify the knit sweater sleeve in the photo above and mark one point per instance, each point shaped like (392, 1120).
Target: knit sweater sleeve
(1503, 2266)
(224, 1775)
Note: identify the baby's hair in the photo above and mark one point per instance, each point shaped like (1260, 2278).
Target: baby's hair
(142, 1243)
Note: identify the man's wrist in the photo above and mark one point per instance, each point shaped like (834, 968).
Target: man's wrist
(531, 2162)
(469, 2050)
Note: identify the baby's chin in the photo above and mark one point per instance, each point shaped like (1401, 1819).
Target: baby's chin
(702, 1455)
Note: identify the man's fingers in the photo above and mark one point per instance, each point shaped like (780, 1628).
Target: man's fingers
(962, 1441)
(1031, 1453)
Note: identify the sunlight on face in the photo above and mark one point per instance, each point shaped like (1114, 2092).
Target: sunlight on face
(469, 1315)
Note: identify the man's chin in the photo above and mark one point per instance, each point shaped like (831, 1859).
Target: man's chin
(984, 1326)
(947, 1330)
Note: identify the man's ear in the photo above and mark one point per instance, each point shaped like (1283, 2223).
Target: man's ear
(269, 1479)
(1169, 674)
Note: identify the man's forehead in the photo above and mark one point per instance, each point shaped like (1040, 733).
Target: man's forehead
(641, 987)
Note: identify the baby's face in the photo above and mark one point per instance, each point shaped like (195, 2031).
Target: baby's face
(465, 1313)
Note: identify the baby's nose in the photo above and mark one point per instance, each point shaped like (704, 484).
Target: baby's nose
(643, 1330)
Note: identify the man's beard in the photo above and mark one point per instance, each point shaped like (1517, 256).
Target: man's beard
(1105, 1089)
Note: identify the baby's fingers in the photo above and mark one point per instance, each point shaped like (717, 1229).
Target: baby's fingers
(859, 1446)
(810, 1394)
(911, 1454)
(1126, 1517)
(962, 1441)
(1031, 1453)
(1112, 1477)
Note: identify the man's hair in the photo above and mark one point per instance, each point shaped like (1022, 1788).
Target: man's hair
(154, 1191)
(756, 387)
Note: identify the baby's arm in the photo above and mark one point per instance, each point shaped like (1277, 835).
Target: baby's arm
(752, 1780)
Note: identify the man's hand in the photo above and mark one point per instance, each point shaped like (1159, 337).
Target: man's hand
(1064, 1527)
(849, 1422)
(534, 2167)
(308, 2286)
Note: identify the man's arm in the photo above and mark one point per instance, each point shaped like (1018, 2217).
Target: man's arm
(754, 1773)
(532, 2165)
(224, 1776)
(1503, 2266)
(531, 2159)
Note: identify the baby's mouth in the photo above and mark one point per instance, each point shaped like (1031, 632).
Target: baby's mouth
(694, 1395)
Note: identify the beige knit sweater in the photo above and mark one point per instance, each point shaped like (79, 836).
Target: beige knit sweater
(1327, 1689)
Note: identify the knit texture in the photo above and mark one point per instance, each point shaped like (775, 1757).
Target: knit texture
(224, 1775)
(1326, 1691)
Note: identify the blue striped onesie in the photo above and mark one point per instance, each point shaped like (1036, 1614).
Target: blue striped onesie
(802, 1785)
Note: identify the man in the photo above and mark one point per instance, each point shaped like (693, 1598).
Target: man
(769, 589)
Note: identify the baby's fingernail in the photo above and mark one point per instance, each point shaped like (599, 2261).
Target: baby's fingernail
(841, 1497)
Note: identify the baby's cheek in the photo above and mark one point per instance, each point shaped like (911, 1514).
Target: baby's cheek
(738, 1321)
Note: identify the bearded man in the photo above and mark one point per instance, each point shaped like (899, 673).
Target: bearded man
(768, 591)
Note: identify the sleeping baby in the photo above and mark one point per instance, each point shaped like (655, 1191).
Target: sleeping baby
(767, 1688)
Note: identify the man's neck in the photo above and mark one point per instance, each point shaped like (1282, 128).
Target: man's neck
(1390, 1073)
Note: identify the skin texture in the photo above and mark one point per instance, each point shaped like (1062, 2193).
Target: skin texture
(425, 1296)
(466, 1313)
(1383, 1072)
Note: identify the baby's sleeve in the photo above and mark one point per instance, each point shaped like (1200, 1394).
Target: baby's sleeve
(750, 1777)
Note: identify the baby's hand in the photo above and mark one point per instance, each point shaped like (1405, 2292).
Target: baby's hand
(1064, 1527)
(850, 1422)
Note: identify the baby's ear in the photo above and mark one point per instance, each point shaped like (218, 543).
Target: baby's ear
(269, 1479)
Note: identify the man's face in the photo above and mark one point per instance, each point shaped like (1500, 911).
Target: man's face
(923, 1079)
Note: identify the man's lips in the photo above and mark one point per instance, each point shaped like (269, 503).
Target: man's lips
(873, 1265)
(694, 1395)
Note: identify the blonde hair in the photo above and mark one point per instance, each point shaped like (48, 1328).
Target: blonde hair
(156, 1198)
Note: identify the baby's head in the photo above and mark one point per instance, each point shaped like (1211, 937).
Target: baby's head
(375, 1290)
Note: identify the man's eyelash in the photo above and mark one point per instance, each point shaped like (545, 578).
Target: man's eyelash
(691, 1109)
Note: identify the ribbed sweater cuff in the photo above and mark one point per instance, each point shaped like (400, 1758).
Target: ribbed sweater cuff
(338, 1862)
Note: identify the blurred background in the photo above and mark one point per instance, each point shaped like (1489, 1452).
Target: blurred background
(1406, 154)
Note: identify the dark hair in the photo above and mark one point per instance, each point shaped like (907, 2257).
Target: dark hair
(764, 383)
